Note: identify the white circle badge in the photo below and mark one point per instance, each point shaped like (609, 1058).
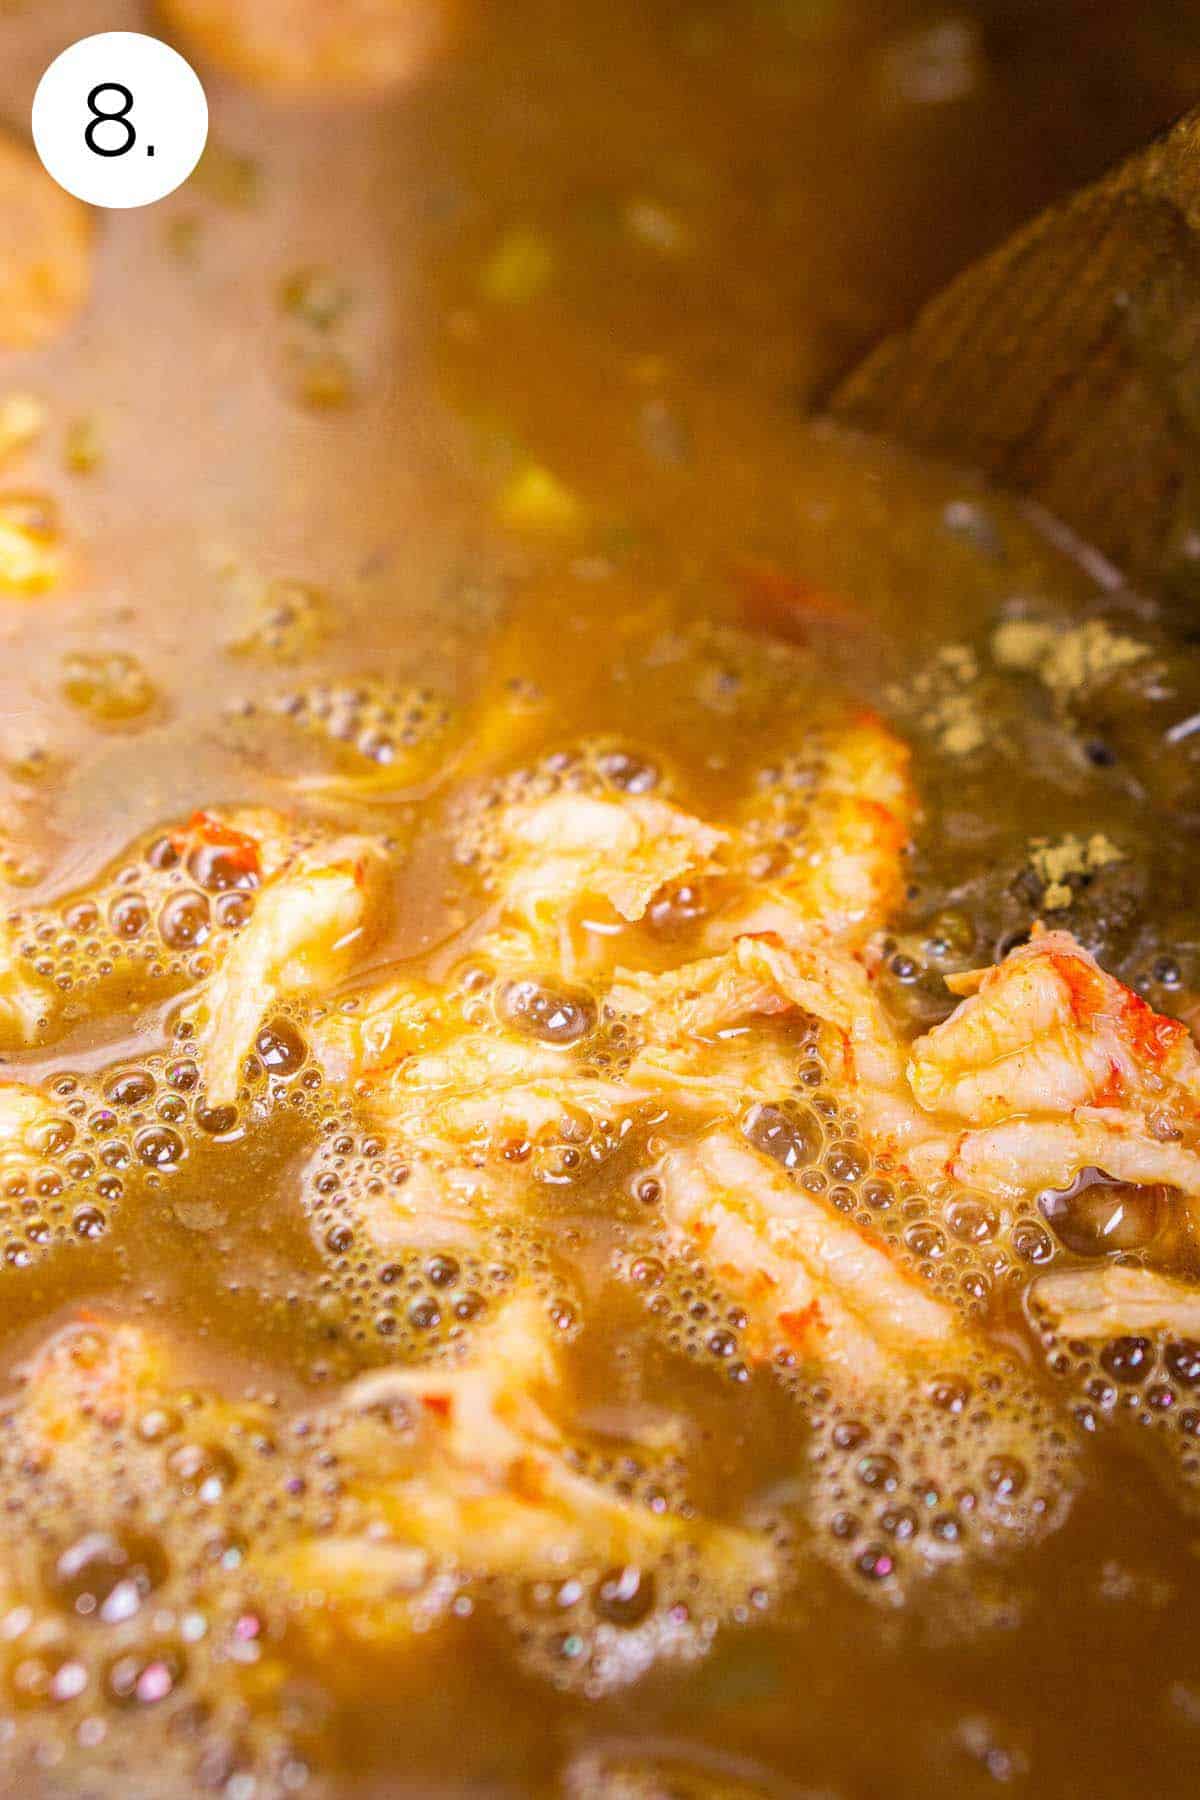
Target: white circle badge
(120, 119)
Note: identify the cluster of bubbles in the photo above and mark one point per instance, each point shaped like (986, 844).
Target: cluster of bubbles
(894, 1484)
(137, 1514)
(1145, 1382)
(691, 1311)
(390, 724)
(415, 1290)
(585, 1150)
(98, 1135)
(288, 619)
(965, 1245)
(978, 1251)
(549, 1009)
(969, 1247)
(961, 1463)
(138, 1580)
(132, 1130)
(777, 810)
(156, 921)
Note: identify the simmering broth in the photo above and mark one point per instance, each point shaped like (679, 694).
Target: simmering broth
(520, 1275)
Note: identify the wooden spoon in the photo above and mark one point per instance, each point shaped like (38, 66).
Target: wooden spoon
(1066, 365)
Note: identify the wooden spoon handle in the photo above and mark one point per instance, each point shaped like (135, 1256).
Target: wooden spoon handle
(1066, 365)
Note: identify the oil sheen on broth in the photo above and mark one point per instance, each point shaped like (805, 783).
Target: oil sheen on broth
(599, 1129)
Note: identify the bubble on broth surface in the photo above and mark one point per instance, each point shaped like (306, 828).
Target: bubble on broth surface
(110, 686)
(548, 1011)
(1097, 1215)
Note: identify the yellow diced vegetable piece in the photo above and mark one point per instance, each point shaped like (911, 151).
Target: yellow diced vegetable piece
(30, 544)
(534, 499)
(22, 419)
(519, 268)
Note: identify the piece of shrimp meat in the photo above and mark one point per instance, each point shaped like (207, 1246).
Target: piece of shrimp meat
(29, 1127)
(569, 849)
(464, 1470)
(1053, 1066)
(309, 924)
(93, 1371)
(1113, 1300)
(815, 1283)
(830, 828)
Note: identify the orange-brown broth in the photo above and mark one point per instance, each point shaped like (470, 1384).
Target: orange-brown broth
(666, 389)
